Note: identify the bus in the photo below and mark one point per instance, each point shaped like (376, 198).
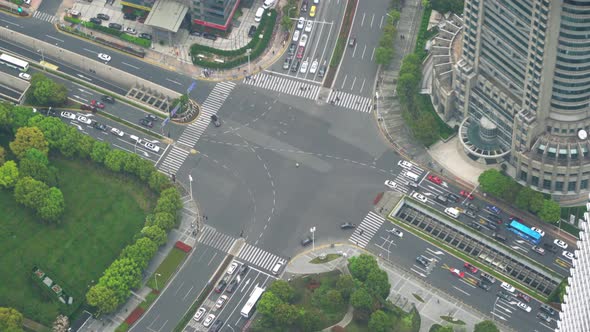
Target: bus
(13, 62)
(250, 306)
(524, 232)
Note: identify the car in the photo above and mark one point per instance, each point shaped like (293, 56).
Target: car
(495, 218)
(452, 197)
(232, 286)
(544, 317)
(508, 287)
(538, 230)
(347, 225)
(316, 1)
(117, 132)
(457, 273)
(472, 206)
(434, 179)
(390, 184)
(68, 115)
(221, 301)
(304, 7)
(115, 26)
(307, 241)
(108, 99)
(25, 76)
(252, 31)
(523, 297)
(308, 26)
(419, 197)
(210, 36)
(292, 49)
(568, 255)
(295, 66)
(215, 120)
(130, 31)
(103, 17)
(131, 17)
(146, 123)
(304, 66)
(493, 209)
(524, 306)
(104, 57)
(144, 35)
(396, 232)
(548, 310)
(28, 2)
(352, 42)
(96, 103)
(539, 250)
(287, 63)
(470, 267)
(550, 247)
(142, 19)
(560, 243)
(314, 66)
(100, 126)
(300, 51)
(199, 314)
(196, 33)
(504, 296)
(405, 164)
(475, 226)
(412, 184)
(470, 214)
(484, 285)
(83, 119)
(312, 11)
(466, 194)
(216, 326)
(209, 320)
(242, 270)
(151, 117)
(277, 268)
(95, 20)
(300, 23)
(220, 286)
(487, 277)
(303, 40)
(423, 261)
(85, 107)
(151, 146)
(232, 267)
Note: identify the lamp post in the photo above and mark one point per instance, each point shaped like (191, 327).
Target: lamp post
(156, 275)
(42, 58)
(312, 230)
(190, 179)
(248, 51)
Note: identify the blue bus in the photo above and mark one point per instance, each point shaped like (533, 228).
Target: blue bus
(524, 232)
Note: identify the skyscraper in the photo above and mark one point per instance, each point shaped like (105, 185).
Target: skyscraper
(523, 88)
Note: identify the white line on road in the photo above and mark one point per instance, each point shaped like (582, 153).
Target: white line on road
(344, 82)
(48, 36)
(372, 19)
(381, 23)
(364, 50)
(460, 290)
(363, 20)
(362, 85)
(169, 80)
(354, 51)
(84, 77)
(212, 258)
(9, 22)
(91, 51)
(132, 66)
(187, 293)
(373, 54)
(495, 314)
(352, 86)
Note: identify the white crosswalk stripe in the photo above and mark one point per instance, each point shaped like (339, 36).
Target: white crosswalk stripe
(367, 229)
(44, 17)
(172, 162)
(215, 239)
(351, 101)
(259, 257)
(284, 85)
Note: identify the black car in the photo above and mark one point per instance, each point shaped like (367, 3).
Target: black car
(472, 206)
(491, 226)
(484, 285)
(287, 63)
(209, 36)
(151, 117)
(423, 261)
(550, 247)
(548, 310)
(307, 241)
(216, 326)
(322, 71)
(453, 197)
(100, 126)
(115, 26)
(252, 31)
(242, 270)
(103, 17)
(231, 286)
(146, 123)
(347, 225)
(292, 49)
(544, 317)
(220, 286)
(295, 66)
(108, 99)
(196, 33)
(95, 20)
(131, 17)
(145, 36)
(470, 213)
(304, 7)
(215, 120)
(475, 226)
(487, 277)
(505, 296)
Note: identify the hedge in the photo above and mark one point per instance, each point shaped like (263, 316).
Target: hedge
(257, 45)
(114, 32)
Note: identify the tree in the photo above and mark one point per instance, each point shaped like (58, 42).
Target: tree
(21, 116)
(383, 55)
(268, 301)
(333, 299)
(5, 115)
(166, 204)
(360, 266)
(145, 170)
(30, 192)
(440, 328)
(53, 205)
(523, 198)
(379, 322)
(485, 326)
(53, 129)
(122, 275)
(45, 92)
(10, 320)
(361, 299)
(61, 324)
(285, 314)
(378, 283)
(173, 196)
(550, 212)
(103, 298)
(536, 202)
(131, 163)
(407, 87)
(142, 251)
(115, 160)
(8, 174)
(493, 182)
(282, 290)
(27, 138)
(158, 181)
(444, 6)
(36, 165)
(309, 319)
(2, 156)
(164, 220)
(85, 146)
(426, 128)
(156, 234)
(345, 285)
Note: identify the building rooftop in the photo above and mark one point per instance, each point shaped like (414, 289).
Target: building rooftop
(167, 15)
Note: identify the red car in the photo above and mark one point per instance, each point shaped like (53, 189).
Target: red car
(523, 297)
(300, 52)
(458, 273)
(435, 179)
(85, 107)
(466, 194)
(471, 268)
(98, 104)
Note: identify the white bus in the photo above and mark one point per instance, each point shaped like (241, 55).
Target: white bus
(13, 62)
(250, 306)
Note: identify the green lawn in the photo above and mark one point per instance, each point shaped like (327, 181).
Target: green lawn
(103, 212)
(167, 268)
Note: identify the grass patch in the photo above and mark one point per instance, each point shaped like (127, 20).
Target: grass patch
(103, 211)
(166, 269)
(122, 328)
(452, 320)
(328, 258)
(149, 299)
(425, 104)
(418, 297)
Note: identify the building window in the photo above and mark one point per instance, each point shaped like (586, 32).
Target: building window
(571, 186)
(559, 186)
(546, 184)
(584, 184)
(523, 175)
(548, 129)
(535, 181)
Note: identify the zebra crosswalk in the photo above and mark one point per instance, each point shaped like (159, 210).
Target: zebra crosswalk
(367, 229)
(215, 239)
(285, 85)
(403, 181)
(45, 17)
(259, 257)
(172, 162)
(351, 101)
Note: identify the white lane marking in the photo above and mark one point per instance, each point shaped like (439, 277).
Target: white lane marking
(48, 36)
(169, 80)
(132, 66)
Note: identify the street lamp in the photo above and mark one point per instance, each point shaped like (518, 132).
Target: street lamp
(190, 179)
(471, 193)
(42, 58)
(248, 51)
(312, 230)
(156, 279)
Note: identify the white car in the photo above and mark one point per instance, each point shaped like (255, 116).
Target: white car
(296, 35)
(301, 23)
(304, 66)
(568, 255)
(405, 164)
(508, 287)
(523, 306)
(315, 2)
(303, 40)
(308, 26)
(151, 146)
(68, 115)
(538, 230)
(209, 320)
(314, 66)
(25, 76)
(117, 132)
(232, 268)
(396, 232)
(221, 301)
(560, 244)
(104, 57)
(199, 314)
(131, 31)
(84, 119)
(390, 184)
(420, 197)
(277, 268)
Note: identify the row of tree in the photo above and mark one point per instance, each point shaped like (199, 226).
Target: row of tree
(506, 188)
(483, 326)
(445, 6)
(384, 52)
(45, 92)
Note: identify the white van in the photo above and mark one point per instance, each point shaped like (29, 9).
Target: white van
(413, 176)
(259, 13)
(268, 3)
(277, 268)
(452, 212)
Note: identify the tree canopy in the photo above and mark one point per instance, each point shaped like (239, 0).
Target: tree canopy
(45, 92)
(360, 266)
(10, 320)
(486, 326)
(27, 138)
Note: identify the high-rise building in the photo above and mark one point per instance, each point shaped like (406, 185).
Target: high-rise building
(575, 314)
(523, 89)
